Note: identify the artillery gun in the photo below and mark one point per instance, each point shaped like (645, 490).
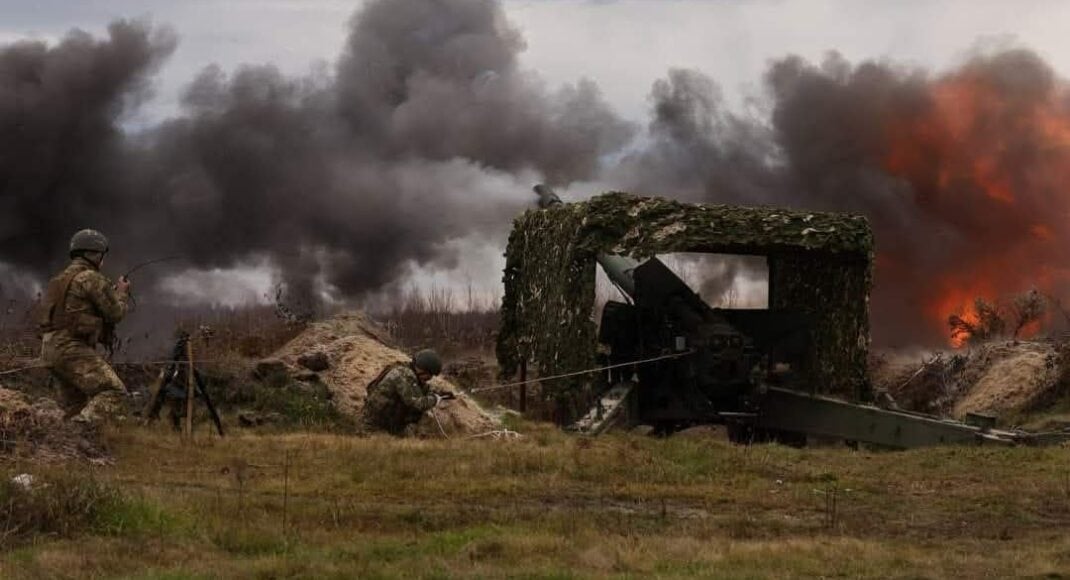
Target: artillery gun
(753, 370)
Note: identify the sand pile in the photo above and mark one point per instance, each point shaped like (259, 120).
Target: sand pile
(36, 430)
(1010, 378)
(997, 378)
(356, 351)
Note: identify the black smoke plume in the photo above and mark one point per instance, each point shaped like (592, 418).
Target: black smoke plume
(962, 175)
(340, 181)
(63, 158)
(429, 131)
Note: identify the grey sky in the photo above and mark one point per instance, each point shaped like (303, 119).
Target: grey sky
(624, 46)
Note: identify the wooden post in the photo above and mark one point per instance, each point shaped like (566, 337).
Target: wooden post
(286, 497)
(189, 390)
(523, 386)
(147, 414)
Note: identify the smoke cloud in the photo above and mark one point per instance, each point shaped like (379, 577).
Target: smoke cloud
(62, 156)
(963, 175)
(341, 181)
(424, 140)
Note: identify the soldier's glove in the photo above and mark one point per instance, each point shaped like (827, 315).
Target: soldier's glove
(439, 397)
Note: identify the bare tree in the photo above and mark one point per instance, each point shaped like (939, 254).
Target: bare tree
(986, 324)
(1025, 309)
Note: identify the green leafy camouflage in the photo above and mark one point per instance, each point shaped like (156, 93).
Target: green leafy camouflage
(819, 263)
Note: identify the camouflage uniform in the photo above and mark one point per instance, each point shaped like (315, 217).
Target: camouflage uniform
(80, 307)
(396, 401)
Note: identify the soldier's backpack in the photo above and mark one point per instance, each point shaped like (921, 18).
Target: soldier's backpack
(374, 384)
(52, 313)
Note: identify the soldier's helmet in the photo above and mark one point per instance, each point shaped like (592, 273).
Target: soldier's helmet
(427, 360)
(89, 241)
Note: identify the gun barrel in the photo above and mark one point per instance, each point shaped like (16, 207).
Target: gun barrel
(619, 269)
(547, 197)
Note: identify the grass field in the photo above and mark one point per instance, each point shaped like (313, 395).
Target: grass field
(278, 505)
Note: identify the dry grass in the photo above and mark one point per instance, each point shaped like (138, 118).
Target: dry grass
(320, 506)
(246, 332)
(263, 504)
(64, 505)
(18, 335)
(454, 324)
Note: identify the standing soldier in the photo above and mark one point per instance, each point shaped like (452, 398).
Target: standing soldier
(398, 397)
(80, 308)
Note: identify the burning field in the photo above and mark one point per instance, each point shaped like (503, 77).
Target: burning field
(963, 175)
(987, 153)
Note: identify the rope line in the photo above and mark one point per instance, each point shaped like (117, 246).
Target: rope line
(497, 434)
(113, 363)
(475, 390)
(439, 423)
(583, 372)
(149, 263)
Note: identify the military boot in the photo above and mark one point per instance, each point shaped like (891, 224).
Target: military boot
(109, 406)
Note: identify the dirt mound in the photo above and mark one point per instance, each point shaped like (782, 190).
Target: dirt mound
(356, 351)
(917, 381)
(998, 378)
(36, 430)
(1015, 378)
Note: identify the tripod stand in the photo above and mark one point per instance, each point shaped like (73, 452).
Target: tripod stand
(168, 389)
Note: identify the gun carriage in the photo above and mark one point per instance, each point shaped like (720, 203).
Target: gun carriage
(789, 373)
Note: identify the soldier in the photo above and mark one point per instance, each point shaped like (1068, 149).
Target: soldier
(398, 397)
(80, 308)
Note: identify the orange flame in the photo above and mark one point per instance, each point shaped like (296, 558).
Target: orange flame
(997, 165)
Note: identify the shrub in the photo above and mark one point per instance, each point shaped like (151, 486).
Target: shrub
(985, 323)
(280, 399)
(994, 320)
(304, 404)
(69, 505)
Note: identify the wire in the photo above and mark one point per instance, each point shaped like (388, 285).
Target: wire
(149, 263)
(476, 390)
(439, 423)
(22, 369)
(122, 363)
(583, 372)
(497, 434)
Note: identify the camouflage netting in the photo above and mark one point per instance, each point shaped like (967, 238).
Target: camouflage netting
(819, 263)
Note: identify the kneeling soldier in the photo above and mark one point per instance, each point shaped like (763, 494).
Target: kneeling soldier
(400, 395)
(80, 308)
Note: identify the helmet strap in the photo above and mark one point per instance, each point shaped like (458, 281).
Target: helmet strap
(94, 258)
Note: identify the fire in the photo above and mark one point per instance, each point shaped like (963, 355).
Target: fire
(958, 298)
(992, 159)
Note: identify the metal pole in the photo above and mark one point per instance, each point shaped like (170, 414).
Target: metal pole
(189, 389)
